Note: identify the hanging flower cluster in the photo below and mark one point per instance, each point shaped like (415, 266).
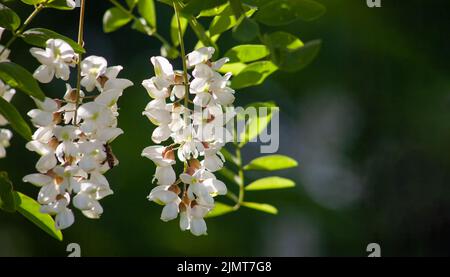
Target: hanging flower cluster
(73, 136)
(6, 92)
(196, 131)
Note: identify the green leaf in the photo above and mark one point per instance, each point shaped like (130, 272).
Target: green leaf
(131, 3)
(247, 53)
(147, 10)
(18, 77)
(114, 18)
(257, 121)
(294, 60)
(254, 74)
(213, 11)
(59, 5)
(15, 119)
(32, 2)
(282, 12)
(246, 29)
(271, 163)
(230, 175)
(30, 209)
(226, 20)
(234, 68)
(194, 7)
(8, 18)
(174, 28)
(205, 37)
(169, 51)
(273, 182)
(39, 36)
(267, 208)
(282, 40)
(219, 209)
(7, 198)
(228, 156)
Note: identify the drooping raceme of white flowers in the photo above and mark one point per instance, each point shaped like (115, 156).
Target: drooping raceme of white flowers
(73, 139)
(197, 134)
(6, 92)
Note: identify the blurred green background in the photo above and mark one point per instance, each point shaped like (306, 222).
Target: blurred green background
(369, 122)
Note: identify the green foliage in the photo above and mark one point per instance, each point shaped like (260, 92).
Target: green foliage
(147, 10)
(246, 29)
(273, 182)
(253, 74)
(8, 18)
(258, 122)
(32, 2)
(213, 11)
(18, 77)
(226, 20)
(30, 209)
(131, 3)
(7, 198)
(263, 207)
(219, 209)
(58, 4)
(271, 163)
(194, 7)
(283, 12)
(247, 53)
(39, 36)
(15, 119)
(174, 29)
(114, 18)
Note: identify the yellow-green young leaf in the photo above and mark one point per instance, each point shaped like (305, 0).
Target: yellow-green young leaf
(32, 2)
(254, 74)
(219, 209)
(58, 4)
(7, 199)
(230, 175)
(267, 208)
(282, 12)
(226, 20)
(174, 29)
(39, 37)
(8, 18)
(131, 3)
(147, 10)
(273, 182)
(18, 77)
(228, 156)
(140, 25)
(30, 209)
(195, 7)
(15, 119)
(271, 162)
(205, 37)
(259, 115)
(213, 11)
(247, 53)
(114, 18)
(234, 68)
(294, 60)
(282, 40)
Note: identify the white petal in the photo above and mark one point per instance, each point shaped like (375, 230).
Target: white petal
(169, 212)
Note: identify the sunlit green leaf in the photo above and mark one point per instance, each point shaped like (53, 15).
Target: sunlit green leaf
(39, 37)
(271, 163)
(147, 10)
(15, 119)
(226, 20)
(58, 4)
(140, 25)
(257, 122)
(293, 60)
(32, 2)
(8, 18)
(219, 209)
(131, 3)
(205, 37)
(30, 209)
(247, 53)
(18, 77)
(282, 40)
(213, 11)
(267, 208)
(114, 18)
(282, 12)
(194, 7)
(7, 198)
(174, 28)
(273, 182)
(230, 175)
(228, 156)
(254, 74)
(234, 68)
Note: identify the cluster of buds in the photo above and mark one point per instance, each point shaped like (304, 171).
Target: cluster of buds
(74, 134)
(196, 130)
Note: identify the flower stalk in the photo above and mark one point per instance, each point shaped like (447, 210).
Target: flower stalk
(81, 44)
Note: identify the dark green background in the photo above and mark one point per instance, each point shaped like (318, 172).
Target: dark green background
(369, 122)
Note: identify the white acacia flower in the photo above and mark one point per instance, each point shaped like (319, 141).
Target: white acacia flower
(71, 3)
(6, 93)
(164, 74)
(190, 145)
(193, 219)
(87, 199)
(199, 56)
(92, 68)
(153, 91)
(166, 195)
(92, 155)
(47, 151)
(58, 206)
(214, 159)
(46, 113)
(5, 137)
(203, 186)
(95, 116)
(69, 108)
(55, 59)
(164, 158)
